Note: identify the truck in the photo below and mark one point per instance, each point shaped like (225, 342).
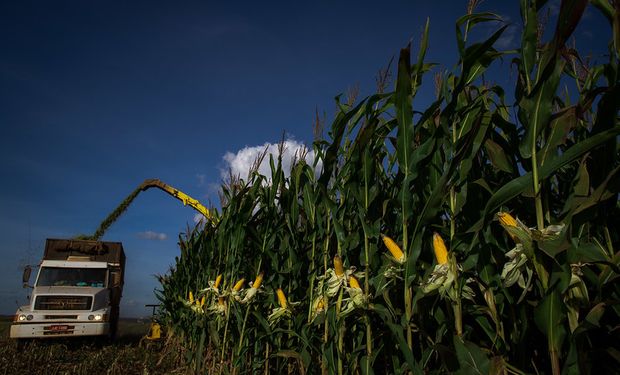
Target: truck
(79, 285)
(77, 291)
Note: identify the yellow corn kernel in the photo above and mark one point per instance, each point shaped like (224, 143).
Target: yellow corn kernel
(258, 281)
(393, 248)
(354, 283)
(320, 305)
(338, 266)
(202, 301)
(441, 253)
(191, 297)
(281, 298)
(506, 219)
(238, 285)
(218, 280)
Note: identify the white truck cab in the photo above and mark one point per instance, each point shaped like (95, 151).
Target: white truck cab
(76, 293)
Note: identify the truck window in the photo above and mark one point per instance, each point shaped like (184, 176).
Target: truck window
(57, 276)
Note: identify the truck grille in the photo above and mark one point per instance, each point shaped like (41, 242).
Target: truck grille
(63, 303)
(61, 317)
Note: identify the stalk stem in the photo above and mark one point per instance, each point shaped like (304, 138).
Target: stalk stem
(367, 276)
(224, 343)
(245, 319)
(458, 317)
(555, 362)
(340, 333)
(540, 221)
(267, 359)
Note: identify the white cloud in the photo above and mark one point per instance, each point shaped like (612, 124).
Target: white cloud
(150, 235)
(508, 38)
(201, 179)
(239, 163)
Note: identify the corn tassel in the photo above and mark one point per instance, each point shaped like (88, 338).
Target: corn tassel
(441, 253)
(394, 249)
(281, 298)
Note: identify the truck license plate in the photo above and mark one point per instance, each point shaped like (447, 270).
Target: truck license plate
(59, 328)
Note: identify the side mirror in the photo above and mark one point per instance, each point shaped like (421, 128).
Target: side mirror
(26, 276)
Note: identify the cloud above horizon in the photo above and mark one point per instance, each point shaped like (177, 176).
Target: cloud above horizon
(150, 235)
(240, 162)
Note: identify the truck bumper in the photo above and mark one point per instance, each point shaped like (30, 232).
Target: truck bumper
(65, 329)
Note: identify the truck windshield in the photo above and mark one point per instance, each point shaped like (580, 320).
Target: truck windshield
(56, 276)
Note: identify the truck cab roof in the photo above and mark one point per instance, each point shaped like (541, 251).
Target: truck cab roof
(73, 264)
(84, 250)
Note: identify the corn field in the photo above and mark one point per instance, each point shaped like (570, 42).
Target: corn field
(476, 235)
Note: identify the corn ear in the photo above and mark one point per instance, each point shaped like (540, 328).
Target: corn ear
(506, 220)
(191, 297)
(393, 248)
(238, 285)
(338, 266)
(258, 281)
(439, 247)
(281, 298)
(218, 280)
(354, 283)
(221, 301)
(202, 301)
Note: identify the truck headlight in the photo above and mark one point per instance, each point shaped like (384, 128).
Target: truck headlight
(29, 317)
(21, 317)
(96, 317)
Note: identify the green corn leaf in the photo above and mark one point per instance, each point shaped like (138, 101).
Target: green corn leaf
(522, 183)
(560, 127)
(419, 67)
(600, 194)
(337, 133)
(535, 109)
(470, 20)
(528, 38)
(397, 333)
(549, 317)
(472, 359)
(570, 15)
(479, 56)
(404, 111)
(498, 156)
(366, 366)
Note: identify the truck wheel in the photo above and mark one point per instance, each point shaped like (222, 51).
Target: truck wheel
(113, 330)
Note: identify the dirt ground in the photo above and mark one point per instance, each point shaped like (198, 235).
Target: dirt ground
(128, 354)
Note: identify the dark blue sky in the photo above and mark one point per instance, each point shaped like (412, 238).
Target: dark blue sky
(96, 96)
